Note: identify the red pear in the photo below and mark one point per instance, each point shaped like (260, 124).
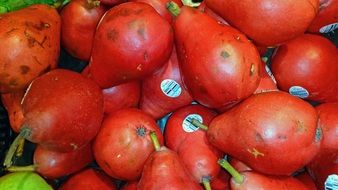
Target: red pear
(200, 158)
(324, 169)
(221, 181)
(267, 22)
(178, 126)
(305, 178)
(52, 165)
(131, 41)
(164, 170)
(164, 92)
(30, 40)
(307, 67)
(12, 104)
(123, 144)
(327, 18)
(272, 132)
(125, 95)
(89, 179)
(254, 180)
(79, 20)
(325, 163)
(219, 65)
(62, 112)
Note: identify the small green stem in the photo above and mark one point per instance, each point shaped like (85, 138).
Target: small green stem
(198, 124)
(12, 149)
(206, 183)
(233, 172)
(30, 168)
(190, 3)
(173, 8)
(154, 139)
(19, 150)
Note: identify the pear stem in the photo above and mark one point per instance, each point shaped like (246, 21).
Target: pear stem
(206, 183)
(198, 124)
(19, 150)
(154, 139)
(173, 8)
(233, 172)
(12, 149)
(190, 3)
(29, 168)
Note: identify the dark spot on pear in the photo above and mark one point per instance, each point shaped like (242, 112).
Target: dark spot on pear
(145, 56)
(141, 32)
(112, 35)
(24, 69)
(225, 54)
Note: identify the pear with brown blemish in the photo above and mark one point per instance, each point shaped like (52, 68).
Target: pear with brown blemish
(219, 65)
(272, 132)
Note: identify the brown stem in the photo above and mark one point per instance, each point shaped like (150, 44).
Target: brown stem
(92, 4)
(154, 139)
(12, 149)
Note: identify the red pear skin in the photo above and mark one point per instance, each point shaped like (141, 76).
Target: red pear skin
(327, 15)
(254, 180)
(224, 69)
(177, 129)
(79, 20)
(63, 110)
(131, 41)
(126, 95)
(221, 181)
(89, 179)
(325, 163)
(268, 81)
(204, 8)
(328, 121)
(311, 62)
(12, 104)
(53, 164)
(161, 7)
(111, 3)
(307, 180)
(238, 165)
(123, 144)
(164, 92)
(272, 132)
(164, 170)
(267, 22)
(130, 185)
(200, 157)
(30, 40)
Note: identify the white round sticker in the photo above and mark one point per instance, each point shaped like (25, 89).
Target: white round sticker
(328, 28)
(171, 88)
(270, 74)
(299, 92)
(187, 126)
(331, 182)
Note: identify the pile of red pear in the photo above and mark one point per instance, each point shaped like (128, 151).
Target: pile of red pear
(184, 95)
